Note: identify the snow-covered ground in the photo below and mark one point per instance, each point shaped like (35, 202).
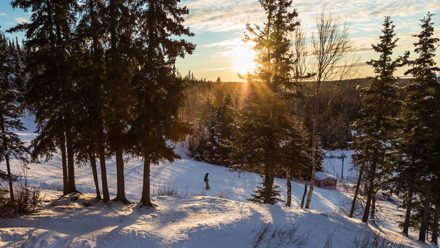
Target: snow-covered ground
(192, 217)
(196, 221)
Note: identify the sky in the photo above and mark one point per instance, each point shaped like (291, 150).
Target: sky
(219, 27)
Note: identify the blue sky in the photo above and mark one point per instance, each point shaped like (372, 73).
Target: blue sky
(219, 25)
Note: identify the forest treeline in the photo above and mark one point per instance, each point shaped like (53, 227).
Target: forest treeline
(100, 78)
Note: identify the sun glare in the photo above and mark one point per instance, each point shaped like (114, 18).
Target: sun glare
(244, 59)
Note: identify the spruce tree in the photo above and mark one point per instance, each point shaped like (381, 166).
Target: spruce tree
(120, 20)
(421, 128)
(158, 92)
(262, 127)
(90, 36)
(296, 156)
(374, 129)
(11, 147)
(218, 127)
(50, 91)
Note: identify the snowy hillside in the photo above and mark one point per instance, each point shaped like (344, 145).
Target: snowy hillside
(191, 217)
(184, 176)
(197, 221)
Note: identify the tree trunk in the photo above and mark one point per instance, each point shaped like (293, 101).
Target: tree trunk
(99, 107)
(289, 186)
(356, 191)
(369, 192)
(304, 194)
(314, 140)
(408, 209)
(425, 217)
(70, 163)
(8, 167)
(312, 179)
(11, 188)
(146, 199)
(268, 183)
(105, 194)
(95, 175)
(373, 207)
(120, 194)
(64, 164)
(435, 225)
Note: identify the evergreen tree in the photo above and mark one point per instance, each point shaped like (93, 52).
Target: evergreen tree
(296, 156)
(90, 34)
(421, 128)
(10, 144)
(214, 148)
(120, 24)
(377, 122)
(262, 127)
(159, 92)
(50, 92)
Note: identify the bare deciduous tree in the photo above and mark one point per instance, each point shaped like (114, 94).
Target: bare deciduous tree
(330, 46)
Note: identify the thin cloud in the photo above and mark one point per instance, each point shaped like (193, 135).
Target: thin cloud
(229, 15)
(218, 69)
(3, 14)
(21, 20)
(225, 43)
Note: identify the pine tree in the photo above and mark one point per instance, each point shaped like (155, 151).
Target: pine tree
(214, 148)
(120, 24)
(50, 93)
(377, 122)
(296, 156)
(262, 127)
(90, 34)
(421, 128)
(159, 92)
(10, 144)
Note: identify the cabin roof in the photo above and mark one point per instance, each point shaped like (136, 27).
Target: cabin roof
(322, 175)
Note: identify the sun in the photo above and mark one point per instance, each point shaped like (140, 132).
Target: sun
(244, 58)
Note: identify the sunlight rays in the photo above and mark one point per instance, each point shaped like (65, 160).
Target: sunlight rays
(244, 58)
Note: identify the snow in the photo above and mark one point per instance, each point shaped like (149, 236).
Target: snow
(191, 216)
(196, 221)
(185, 176)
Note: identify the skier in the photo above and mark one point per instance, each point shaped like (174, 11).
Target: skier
(207, 181)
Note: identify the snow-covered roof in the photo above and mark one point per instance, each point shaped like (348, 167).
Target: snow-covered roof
(322, 175)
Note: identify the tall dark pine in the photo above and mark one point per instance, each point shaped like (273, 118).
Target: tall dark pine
(90, 34)
(158, 92)
(10, 144)
(120, 20)
(50, 91)
(262, 127)
(257, 140)
(421, 129)
(376, 124)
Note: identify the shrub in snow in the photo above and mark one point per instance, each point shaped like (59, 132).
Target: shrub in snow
(26, 201)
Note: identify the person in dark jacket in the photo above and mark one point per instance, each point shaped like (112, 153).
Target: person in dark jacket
(207, 181)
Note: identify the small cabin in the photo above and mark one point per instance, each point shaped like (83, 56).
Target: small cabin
(325, 180)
